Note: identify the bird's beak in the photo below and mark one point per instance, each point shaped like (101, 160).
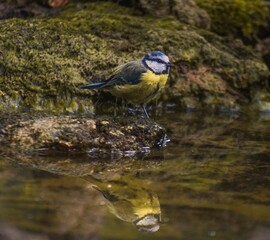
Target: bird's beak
(170, 64)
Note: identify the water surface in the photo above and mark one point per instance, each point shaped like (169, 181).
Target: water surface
(210, 182)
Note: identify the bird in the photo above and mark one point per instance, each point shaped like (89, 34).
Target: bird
(138, 81)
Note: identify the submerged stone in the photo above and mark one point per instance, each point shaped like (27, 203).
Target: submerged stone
(105, 136)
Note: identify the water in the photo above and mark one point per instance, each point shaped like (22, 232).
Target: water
(210, 182)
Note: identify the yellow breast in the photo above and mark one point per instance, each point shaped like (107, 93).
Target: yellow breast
(148, 87)
(151, 78)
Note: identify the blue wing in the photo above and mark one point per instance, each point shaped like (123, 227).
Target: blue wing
(129, 73)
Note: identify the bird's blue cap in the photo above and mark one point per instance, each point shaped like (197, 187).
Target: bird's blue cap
(158, 56)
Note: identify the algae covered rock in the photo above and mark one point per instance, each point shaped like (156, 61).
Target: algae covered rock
(43, 62)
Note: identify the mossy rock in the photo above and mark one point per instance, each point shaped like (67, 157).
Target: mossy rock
(242, 18)
(43, 62)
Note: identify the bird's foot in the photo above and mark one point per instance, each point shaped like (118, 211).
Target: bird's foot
(163, 140)
(135, 111)
(131, 111)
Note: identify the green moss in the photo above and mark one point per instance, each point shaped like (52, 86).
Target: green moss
(236, 17)
(44, 61)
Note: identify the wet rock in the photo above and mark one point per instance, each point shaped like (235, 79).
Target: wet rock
(264, 49)
(43, 62)
(184, 10)
(8, 232)
(239, 18)
(69, 134)
(24, 9)
(58, 3)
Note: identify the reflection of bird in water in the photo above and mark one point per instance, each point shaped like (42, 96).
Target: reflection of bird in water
(129, 201)
(138, 81)
(148, 223)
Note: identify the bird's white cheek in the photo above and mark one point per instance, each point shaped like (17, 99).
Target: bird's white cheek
(156, 66)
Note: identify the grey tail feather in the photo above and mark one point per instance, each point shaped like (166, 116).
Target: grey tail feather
(94, 85)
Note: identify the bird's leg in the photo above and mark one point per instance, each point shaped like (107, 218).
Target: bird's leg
(124, 107)
(144, 110)
(130, 110)
(115, 107)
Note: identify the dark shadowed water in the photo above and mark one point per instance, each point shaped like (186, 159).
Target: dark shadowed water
(212, 181)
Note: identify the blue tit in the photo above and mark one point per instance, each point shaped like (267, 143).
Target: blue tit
(138, 81)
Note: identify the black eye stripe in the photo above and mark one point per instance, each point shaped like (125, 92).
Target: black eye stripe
(157, 60)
